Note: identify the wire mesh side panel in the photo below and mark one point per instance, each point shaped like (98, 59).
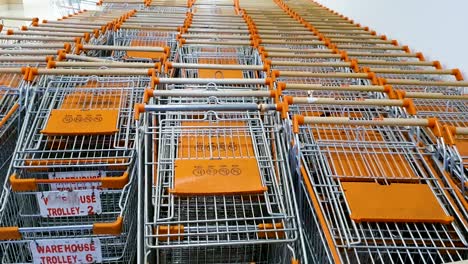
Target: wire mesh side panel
(377, 159)
(10, 112)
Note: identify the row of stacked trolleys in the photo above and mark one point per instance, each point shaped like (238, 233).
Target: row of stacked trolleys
(220, 131)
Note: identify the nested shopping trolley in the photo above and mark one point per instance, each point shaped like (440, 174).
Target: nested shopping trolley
(434, 75)
(455, 155)
(216, 187)
(294, 65)
(372, 195)
(451, 111)
(322, 105)
(227, 54)
(52, 35)
(152, 29)
(81, 117)
(343, 79)
(441, 87)
(68, 215)
(73, 174)
(150, 38)
(356, 92)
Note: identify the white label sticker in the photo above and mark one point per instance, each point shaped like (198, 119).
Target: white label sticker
(69, 203)
(76, 175)
(70, 250)
(312, 100)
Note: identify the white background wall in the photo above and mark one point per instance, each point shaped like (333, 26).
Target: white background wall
(44, 9)
(437, 28)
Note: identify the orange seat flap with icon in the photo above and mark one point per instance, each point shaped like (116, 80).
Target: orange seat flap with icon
(218, 163)
(85, 113)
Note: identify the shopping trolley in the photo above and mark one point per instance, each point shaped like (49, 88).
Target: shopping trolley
(402, 65)
(9, 22)
(291, 43)
(456, 157)
(305, 55)
(163, 18)
(33, 33)
(227, 56)
(100, 229)
(327, 79)
(434, 75)
(390, 55)
(338, 175)
(441, 87)
(353, 92)
(81, 117)
(352, 106)
(448, 108)
(451, 111)
(322, 67)
(114, 52)
(226, 222)
(146, 30)
(129, 37)
(11, 39)
(77, 147)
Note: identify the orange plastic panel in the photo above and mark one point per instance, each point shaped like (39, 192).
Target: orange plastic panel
(100, 85)
(219, 163)
(437, 108)
(170, 230)
(217, 177)
(330, 132)
(109, 228)
(81, 100)
(10, 80)
(274, 231)
(348, 163)
(10, 233)
(214, 147)
(81, 122)
(146, 54)
(462, 146)
(217, 145)
(398, 202)
(219, 74)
